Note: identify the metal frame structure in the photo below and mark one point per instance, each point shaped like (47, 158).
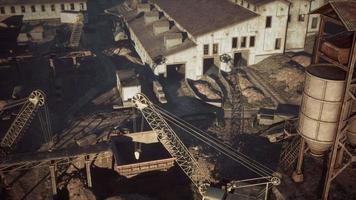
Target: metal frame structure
(340, 157)
(171, 142)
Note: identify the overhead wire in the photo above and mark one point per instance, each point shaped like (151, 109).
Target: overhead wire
(241, 158)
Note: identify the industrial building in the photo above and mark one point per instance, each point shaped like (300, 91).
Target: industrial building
(187, 37)
(40, 9)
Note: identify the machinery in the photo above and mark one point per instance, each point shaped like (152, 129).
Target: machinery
(157, 118)
(30, 107)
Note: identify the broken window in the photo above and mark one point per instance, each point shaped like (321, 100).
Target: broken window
(53, 7)
(13, 10)
(33, 8)
(206, 49)
(62, 7)
(72, 6)
(301, 18)
(43, 8)
(23, 9)
(314, 23)
(234, 42)
(215, 48)
(2, 10)
(252, 41)
(278, 43)
(268, 21)
(243, 42)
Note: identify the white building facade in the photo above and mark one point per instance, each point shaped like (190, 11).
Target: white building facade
(40, 9)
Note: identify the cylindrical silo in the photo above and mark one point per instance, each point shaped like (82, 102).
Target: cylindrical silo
(321, 105)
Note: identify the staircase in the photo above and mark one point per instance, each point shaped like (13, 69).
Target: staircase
(76, 35)
(290, 154)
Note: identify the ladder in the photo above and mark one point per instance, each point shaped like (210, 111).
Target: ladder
(290, 154)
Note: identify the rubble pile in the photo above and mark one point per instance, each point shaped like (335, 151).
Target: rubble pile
(248, 90)
(205, 89)
(77, 191)
(292, 77)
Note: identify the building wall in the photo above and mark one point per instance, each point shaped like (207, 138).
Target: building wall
(40, 14)
(312, 29)
(297, 26)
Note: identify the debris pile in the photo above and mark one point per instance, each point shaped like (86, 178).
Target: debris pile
(292, 77)
(205, 89)
(77, 191)
(248, 90)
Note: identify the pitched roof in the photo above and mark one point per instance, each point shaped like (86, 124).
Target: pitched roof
(199, 17)
(262, 2)
(22, 2)
(345, 10)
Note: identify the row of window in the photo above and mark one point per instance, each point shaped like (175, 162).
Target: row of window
(243, 44)
(301, 18)
(43, 8)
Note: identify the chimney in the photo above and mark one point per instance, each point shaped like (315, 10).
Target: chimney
(143, 7)
(151, 17)
(160, 27)
(172, 39)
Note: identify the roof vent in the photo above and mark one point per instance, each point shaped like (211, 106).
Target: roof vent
(173, 39)
(143, 7)
(160, 27)
(151, 17)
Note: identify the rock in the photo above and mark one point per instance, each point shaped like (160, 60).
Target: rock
(253, 95)
(77, 191)
(129, 197)
(291, 76)
(244, 82)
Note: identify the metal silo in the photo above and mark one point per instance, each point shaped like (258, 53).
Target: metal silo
(321, 105)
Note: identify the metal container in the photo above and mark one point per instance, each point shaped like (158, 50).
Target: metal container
(321, 105)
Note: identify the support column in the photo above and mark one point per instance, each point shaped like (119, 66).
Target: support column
(87, 169)
(52, 171)
(297, 175)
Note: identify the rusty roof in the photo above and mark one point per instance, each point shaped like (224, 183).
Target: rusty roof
(22, 2)
(153, 44)
(345, 10)
(199, 17)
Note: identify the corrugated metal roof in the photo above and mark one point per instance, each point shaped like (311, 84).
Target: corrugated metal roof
(345, 10)
(22, 2)
(199, 17)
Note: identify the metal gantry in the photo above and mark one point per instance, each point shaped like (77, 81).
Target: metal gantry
(23, 119)
(171, 142)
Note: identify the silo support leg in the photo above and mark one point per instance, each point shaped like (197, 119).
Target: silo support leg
(339, 158)
(297, 175)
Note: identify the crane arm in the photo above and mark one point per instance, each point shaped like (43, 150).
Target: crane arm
(171, 142)
(23, 119)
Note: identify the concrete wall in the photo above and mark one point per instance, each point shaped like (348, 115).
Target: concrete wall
(297, 28)
(43, 15)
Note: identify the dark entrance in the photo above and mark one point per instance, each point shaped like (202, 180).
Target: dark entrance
(208, 63)
(239, 60)
(176, 71)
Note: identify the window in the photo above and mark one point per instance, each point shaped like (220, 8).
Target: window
(248, 5)
(43, 8)
(234, 42)
(252, 41)
(278, 43)
(72, 6)
(33, 8)
(82, 6)
(243, 42)
(13, 10)
(301, 18)
(62, 7)
(206, 49)
(2, 10)
(215, 48)
(268, 21)
(23, 9)
(53, 7)
(314, 22)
